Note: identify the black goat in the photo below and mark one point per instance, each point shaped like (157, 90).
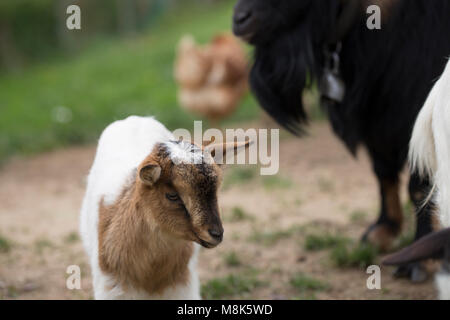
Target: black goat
(387, 75)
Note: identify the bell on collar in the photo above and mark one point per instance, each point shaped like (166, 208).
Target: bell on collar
(331, 85)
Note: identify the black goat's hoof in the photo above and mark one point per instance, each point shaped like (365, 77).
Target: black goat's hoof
(381, 236)
(416, 272)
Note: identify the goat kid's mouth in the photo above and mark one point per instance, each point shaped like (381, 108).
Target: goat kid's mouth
(206, 244)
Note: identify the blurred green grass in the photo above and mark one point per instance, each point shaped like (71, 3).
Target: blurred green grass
(70, 101)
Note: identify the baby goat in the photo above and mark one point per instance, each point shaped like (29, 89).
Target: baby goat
(430, 156)
(147, 207)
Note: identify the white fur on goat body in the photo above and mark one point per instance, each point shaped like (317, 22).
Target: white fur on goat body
(430, 143)
(122, 147)
(430, 155)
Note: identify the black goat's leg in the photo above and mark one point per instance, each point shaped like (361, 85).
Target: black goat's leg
(389, 224)
(426, 222)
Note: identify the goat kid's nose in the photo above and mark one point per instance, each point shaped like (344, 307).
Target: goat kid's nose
(241, 17)
(216, 233)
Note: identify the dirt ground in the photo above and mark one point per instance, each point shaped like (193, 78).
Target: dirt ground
(324, 188)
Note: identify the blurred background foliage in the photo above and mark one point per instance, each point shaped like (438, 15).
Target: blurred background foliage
(36, 29)
(61, 87)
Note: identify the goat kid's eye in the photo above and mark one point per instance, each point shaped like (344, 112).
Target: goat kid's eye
(173, 196)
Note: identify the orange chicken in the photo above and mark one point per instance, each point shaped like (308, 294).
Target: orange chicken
(212, 79)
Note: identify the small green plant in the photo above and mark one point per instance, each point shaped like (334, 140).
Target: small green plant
(72, 237)
(347, 256)
(42, 244)
(358, 216)
(316, 242)
(405, 239)
(408, 208)
(12, 291)
(269, 238)
(276, 270)
(325, 185)
(232, 259)
(303, 283)
(5, 245)
(238, 214)
(232, 286)
(276, 182)
(239, 176)
(235, 236)
(312, 98)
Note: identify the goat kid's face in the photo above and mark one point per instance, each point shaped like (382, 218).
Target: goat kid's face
(257, 21)
(182, 196)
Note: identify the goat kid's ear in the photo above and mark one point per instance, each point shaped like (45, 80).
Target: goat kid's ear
(219, 151)
(150, 174)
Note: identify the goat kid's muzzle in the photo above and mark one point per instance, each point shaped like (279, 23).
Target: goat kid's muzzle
(211, 238)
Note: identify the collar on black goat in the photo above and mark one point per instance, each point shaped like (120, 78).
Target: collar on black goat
(331, 86)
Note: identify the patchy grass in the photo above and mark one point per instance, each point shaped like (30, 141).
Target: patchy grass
(12, 291)
(405, 239)
(409, 233)
(276, 182)
(238, 215)
(360, 256)
(243, 175)
(303, 283)
(269, 238)
(42, 244)
(5, 245)
(408, 209)
(72, 237)
(358, 216)
(239, 175)
(317, 242)
(311, 99)
(231, 286)
(276, 270)
(409, 216)
(325, 185)
(232, 259)
(236, 236)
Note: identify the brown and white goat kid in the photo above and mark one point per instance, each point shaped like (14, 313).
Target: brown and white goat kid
(149, 203)
(430, 156)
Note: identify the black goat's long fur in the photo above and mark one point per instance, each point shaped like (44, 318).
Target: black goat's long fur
(388, 73)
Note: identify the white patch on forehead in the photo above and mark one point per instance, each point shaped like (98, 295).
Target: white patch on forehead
(186, 153)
